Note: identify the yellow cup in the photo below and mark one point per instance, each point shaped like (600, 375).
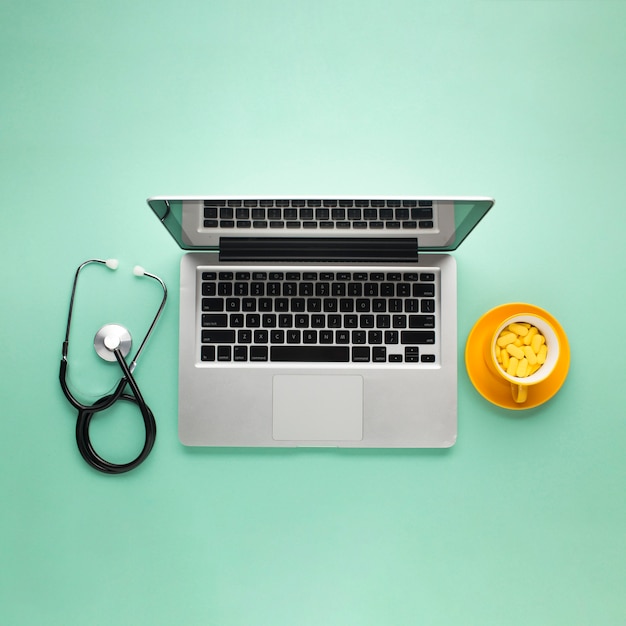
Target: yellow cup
(520, 386)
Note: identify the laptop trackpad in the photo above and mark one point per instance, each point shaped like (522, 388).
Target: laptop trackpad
(318, 408)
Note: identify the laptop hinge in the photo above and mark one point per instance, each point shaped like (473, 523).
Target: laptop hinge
(361, 249)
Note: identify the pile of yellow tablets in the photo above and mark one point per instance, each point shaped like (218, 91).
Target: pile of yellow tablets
(521, 349)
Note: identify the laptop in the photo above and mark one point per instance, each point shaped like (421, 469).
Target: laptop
(318, 320)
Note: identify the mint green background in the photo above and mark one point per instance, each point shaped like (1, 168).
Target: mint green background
(105, 103)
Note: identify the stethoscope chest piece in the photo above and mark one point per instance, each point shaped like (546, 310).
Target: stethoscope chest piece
(110, 337)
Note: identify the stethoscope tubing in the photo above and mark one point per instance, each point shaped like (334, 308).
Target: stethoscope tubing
(85, 415)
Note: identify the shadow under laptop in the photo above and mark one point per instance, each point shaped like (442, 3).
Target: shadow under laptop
(315, 451)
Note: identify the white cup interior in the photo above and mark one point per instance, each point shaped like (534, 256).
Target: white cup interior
(552, 342)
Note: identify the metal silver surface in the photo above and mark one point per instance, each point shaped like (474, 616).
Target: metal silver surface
(108, 338)
(404, 406)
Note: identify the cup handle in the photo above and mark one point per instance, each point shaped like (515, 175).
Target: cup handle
(520, 392)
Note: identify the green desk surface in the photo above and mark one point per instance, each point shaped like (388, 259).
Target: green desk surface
(102, 104)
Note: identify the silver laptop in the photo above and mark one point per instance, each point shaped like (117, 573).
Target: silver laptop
(318, 321)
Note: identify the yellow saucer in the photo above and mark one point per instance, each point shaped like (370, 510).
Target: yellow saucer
(491, 386)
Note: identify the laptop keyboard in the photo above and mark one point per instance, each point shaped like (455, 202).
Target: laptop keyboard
(319, 316)
(319, 214)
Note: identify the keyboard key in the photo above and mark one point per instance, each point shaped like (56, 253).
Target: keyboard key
(374, 337)
(224, 353)
(411, 354)
(342, 336)
(421, 321)
(310, 354)
(207, 353)
(244, 335)
(361, 354)
(215, 320)
(417, 337)
(392, 337)
(240, 353)
(400, 321)
(424, 290)
(359, 336)
(258, 353)
(367, 321)
(212, 304)
(218, 336)
(261, 336)
(427, 306)
(236, 320)
(422, 213)
(309, 336)
(326, 336)
(277, 336)
(379, 354)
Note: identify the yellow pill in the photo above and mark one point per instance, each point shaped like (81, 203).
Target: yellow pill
(541, 355)
(533, 368)
(505, 359)
(515, 351)
(532, 331)
(512, 368)
(519, 329)
(537, 342)
(530, 355)
(506, 339)
(522, 368)
(498, 354)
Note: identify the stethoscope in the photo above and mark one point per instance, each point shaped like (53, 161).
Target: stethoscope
(112, 343)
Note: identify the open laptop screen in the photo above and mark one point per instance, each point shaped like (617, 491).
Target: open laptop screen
(438, 224)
